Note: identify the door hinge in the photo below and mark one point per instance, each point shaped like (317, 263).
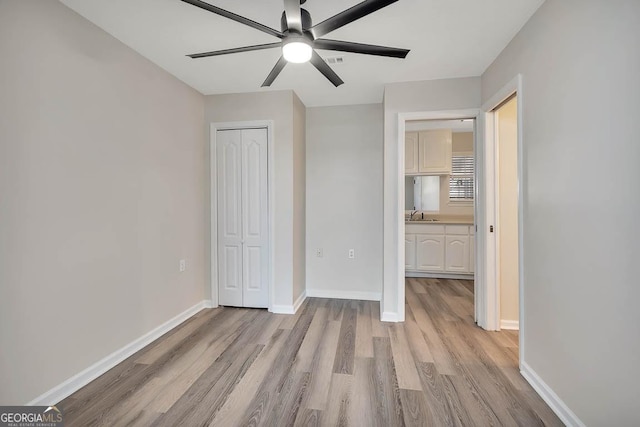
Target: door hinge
(491, 229)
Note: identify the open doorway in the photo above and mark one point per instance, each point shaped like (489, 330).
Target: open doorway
(500, 289)
(436, 206)
(506, 199)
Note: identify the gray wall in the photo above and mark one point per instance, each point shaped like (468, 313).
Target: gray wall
(299, 197)
(344, 199)
(580, 63)
(432, 95)
(101, 193)
(277, 106)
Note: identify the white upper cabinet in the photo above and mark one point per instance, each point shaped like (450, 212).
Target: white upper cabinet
(411, 152)
(428, 152)
(435, 151)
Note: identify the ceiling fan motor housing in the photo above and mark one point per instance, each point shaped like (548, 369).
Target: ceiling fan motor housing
(306, 21)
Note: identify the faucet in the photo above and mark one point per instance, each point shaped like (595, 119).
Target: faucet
(412, 214)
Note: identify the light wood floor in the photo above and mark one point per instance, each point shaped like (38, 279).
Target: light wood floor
(333, 363)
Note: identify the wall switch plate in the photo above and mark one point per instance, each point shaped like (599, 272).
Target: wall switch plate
(352, 253)
(319, 252)
(183, 265)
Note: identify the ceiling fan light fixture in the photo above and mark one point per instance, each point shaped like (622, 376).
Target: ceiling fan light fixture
(297, 50)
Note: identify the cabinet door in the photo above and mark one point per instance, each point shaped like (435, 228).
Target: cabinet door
(457, 254)
(411, 152)
(472, 254)
(429, 252)
(409, 252)
(435, 151)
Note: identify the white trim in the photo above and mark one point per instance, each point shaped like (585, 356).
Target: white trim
(491, 285)
(299, 301)
(512, 325)
(76, 382)
(255, 124)
(419, 274)
(282, 309)
(402, 118)
(389, 316)
(338, 294)
(556, 404)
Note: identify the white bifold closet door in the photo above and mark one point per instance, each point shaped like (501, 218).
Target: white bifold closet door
(243, 254)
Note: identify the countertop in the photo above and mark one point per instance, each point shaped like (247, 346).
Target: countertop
(442, 219)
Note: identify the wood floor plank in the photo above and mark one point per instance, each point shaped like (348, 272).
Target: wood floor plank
(415, 409)
(385, 384)
(234, 409)
(433, 339)
(419, 347)
(285, 411)
(308, 418)
(266, 397)
(345, 353)
(378, 328)
(404, 363)
(332, 363)
(340, 398)
(362, 403)
(435, 394)
(323, 367)
(364, 336)
(311, 341)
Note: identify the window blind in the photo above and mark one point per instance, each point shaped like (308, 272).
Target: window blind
(461, 178)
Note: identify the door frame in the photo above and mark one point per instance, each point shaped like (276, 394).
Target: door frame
(402, 118)
(213, 206)
(491, 319)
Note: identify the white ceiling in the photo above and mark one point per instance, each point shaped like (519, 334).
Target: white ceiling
(447, 38)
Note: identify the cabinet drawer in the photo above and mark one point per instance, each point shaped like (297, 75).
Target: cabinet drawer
(424, 229)
(457, 229)
(472, 230)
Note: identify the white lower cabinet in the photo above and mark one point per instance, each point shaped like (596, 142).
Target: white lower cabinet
(472, 253)
(457, 254)
(410, 252)
(429, 252)
(439, 248)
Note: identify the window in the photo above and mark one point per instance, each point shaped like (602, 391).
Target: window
(461, 178)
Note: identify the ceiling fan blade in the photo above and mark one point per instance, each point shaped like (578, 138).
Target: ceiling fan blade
(275, 71)
(322, 66)
(367, 49)
(235, 50)
(347, 16)
(293, 14)
(234, 17)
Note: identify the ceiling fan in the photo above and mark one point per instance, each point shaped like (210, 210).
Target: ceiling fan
(299, 38)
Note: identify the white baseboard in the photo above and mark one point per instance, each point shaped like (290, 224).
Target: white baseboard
(290, 309)
(556, 404)
(208, 304)
(337, 294)
(299, 301)
(421, 274)
(81, 379)
(513, 325)
(389, 316)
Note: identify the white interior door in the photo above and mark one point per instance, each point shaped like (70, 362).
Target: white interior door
(241, 161)
(255, 253)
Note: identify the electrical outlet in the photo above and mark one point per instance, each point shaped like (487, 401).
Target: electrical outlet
(352, 253)
(183, 265)
(319, 252)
